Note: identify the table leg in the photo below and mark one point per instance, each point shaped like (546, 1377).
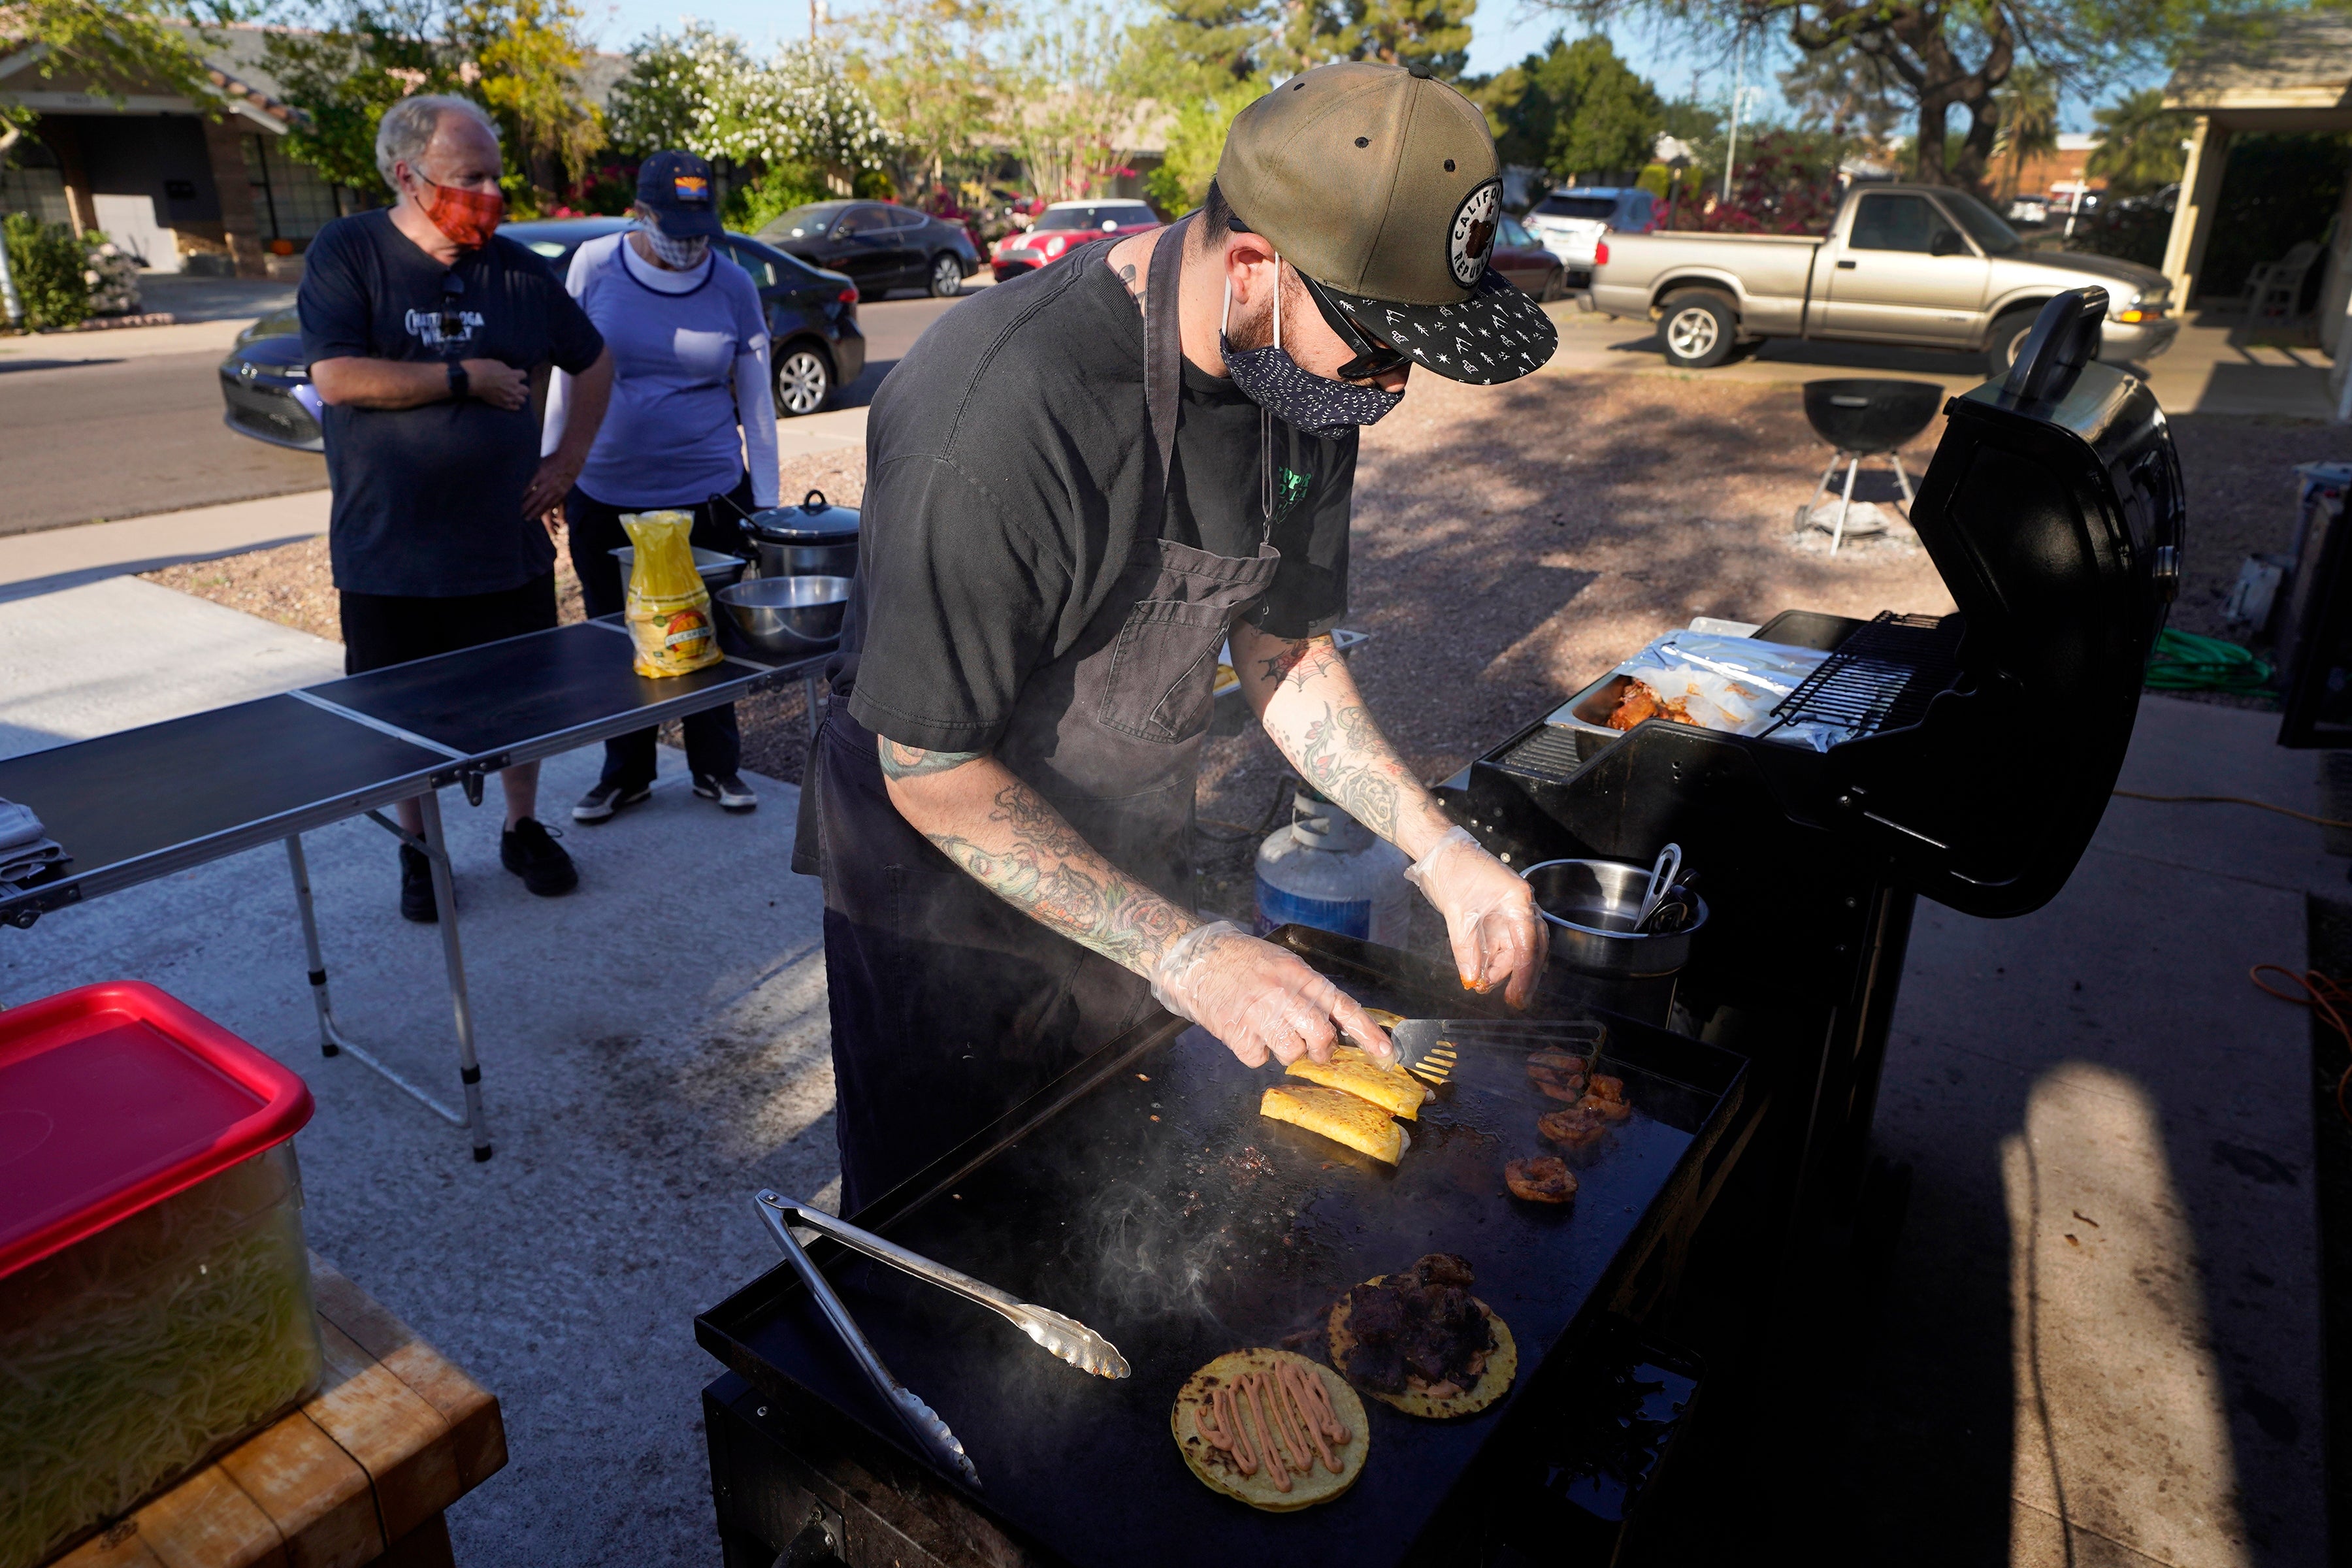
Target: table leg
(330, 1038)
(444, 897)
(1845, 501)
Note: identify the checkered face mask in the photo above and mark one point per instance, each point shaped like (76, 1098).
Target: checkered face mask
(678, 255)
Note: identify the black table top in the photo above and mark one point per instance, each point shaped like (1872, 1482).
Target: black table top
(481, 700)
(1163, 1211)
(128, 797)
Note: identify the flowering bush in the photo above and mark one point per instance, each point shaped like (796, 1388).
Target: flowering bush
(1784, 185)
(111, 274)
(701, 89)
(45, 261)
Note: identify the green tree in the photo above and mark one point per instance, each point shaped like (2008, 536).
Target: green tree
(2138, 143)
(529, 55)
(1066, 114)
(935, 73)
(1432, 33)
(1576, 108)
(1196, 139)
(2028, 125)
(47, 263)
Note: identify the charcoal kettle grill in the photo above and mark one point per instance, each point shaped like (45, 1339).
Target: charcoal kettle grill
(1980, 750)
(1863, 418)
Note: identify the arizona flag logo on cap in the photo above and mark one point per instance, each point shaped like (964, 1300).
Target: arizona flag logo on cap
(692, 188)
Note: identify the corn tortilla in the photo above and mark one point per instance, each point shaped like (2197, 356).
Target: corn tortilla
(1385, 1084)
(1494, 1382)
(1217, 1470)
(1338, 1115)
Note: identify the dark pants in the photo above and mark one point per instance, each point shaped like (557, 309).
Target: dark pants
(713, 744)
(380, 629)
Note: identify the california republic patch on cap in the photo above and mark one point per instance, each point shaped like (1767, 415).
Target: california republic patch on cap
(1497, 334)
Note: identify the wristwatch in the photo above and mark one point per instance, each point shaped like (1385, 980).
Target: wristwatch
(459, 382)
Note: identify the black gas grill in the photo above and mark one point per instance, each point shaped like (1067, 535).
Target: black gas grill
(1984, 746)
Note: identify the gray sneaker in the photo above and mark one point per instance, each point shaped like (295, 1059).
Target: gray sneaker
(730, 792)
(599, 804)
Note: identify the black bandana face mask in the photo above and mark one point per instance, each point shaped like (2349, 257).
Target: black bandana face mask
(1270, 378)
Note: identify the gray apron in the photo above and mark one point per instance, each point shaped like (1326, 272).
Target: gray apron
(949, 1006)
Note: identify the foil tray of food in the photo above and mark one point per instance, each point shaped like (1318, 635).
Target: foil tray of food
(1295, 1306)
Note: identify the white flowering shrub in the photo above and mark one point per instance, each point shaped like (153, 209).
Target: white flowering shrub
(702, 90)
(112, 275)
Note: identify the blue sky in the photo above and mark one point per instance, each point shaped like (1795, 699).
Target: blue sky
(1503, 31)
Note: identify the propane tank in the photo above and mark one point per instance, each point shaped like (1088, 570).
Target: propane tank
(1327, 870)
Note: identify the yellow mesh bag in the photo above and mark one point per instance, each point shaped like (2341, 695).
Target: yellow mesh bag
(668, 608)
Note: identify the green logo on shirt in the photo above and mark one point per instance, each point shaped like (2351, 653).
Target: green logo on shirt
(1290, 487)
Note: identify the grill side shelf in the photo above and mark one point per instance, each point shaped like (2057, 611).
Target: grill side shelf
(1880, 677)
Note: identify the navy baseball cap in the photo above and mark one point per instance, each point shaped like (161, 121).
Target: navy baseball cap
(678, 190)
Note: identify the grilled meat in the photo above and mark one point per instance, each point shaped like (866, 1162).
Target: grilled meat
(1638, 702)
(1572, 1127)
(1543, 1180)
(1419, 1330)
(1607, 1110)
(1557, 1074)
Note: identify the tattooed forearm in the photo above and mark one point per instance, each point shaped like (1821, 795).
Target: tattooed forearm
(912, 761)
(1013, 842)
(1299, 662)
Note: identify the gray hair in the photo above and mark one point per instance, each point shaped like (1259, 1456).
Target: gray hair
(407, 127)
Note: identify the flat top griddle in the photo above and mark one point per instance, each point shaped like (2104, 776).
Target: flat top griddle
(1160, 1209)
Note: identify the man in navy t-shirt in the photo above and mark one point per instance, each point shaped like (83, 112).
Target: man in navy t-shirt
(422, 328)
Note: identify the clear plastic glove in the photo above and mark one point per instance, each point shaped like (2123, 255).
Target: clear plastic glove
(1490, 915)
(1259, 1000)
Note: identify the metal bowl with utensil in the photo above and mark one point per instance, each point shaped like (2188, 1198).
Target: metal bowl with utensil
(783, 616)
(1595, 909)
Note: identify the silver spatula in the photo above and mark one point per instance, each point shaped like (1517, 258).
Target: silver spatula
(1067, 1338)
(1430, 1048)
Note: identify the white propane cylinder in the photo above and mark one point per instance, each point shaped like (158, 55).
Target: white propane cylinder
(1327, 870)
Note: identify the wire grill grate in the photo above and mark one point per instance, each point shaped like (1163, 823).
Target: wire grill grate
(1552, 754)
(1880, 677)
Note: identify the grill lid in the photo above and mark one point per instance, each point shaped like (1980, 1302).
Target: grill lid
(2053, 511)
(815, 520)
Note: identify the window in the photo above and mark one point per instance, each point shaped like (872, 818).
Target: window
(1894, 221)
(1594, 209)
(1993, 236)
(1513, 235)
(291, 201)
(763, 276)
(861, 220)
(803, 223)
(1095, 215)
(30, 183)
(904, 217)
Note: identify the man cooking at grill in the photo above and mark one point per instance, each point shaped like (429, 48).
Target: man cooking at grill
(1079, 486)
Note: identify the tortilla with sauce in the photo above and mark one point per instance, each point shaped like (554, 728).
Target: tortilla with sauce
(1221, 1419)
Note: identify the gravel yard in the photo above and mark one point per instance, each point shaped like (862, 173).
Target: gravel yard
(1512, 543)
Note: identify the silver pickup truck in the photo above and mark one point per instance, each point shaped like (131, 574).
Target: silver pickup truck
(1919, 265)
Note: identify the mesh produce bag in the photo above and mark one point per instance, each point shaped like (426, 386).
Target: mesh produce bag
(669, 607)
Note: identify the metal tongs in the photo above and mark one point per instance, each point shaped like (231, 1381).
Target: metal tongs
(1428, 1047)
(930, 1431)
(1066, 1338)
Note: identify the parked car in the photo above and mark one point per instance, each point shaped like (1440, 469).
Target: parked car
(1920, 265)
(1570, 221)
(1062, 228)
(878, 245)
(1521, 257)
(811, 324)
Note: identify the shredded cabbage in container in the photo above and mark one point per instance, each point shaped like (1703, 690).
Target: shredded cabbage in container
(139, 1352)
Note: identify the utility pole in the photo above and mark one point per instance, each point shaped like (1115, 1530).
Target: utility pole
(1738, 87)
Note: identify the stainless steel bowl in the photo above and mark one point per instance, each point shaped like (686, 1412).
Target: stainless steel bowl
(783, 615)
(806, 559)
(716, 567)
(1590, 906)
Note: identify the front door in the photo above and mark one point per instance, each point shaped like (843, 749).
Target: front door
(1905, 272)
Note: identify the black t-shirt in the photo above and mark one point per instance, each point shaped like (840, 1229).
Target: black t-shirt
(1009, 469)
(428, 500)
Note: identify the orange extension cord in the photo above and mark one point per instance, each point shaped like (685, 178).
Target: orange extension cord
(2323, 996)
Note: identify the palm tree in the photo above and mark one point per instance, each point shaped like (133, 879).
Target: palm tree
(2140, 144)
(2028, 104)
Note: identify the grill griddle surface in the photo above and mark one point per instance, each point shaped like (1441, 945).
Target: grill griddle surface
(1208, 1230)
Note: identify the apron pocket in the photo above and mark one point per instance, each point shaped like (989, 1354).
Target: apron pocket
(1162, 676)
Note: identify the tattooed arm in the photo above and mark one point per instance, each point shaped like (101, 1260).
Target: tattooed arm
(1013, 842)
(1303, 694)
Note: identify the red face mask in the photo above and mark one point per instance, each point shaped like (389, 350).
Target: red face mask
(468, 217)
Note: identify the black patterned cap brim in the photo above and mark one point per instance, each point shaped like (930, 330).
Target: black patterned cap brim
(1499, 334)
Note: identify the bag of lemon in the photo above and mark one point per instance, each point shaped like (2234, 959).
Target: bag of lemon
(669, 607)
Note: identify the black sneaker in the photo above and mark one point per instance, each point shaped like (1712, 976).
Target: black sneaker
(416, 887)
(599, 804)
(730, 792)
(531, 852)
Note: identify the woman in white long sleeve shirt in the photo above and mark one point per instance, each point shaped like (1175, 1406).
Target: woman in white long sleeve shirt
(692, 401)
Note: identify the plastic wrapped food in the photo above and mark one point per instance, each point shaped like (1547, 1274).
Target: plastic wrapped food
(668, 605)
(138, 1352)
(1727, 683)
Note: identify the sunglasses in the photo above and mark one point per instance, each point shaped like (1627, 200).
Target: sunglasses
(1374, 357)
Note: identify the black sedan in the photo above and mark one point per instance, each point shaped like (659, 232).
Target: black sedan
(880, 245)
(811, 324)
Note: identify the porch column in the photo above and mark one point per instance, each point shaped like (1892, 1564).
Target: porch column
(2192, 216)
(225, 150)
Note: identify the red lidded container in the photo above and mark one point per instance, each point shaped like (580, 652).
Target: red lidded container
(155, 1289)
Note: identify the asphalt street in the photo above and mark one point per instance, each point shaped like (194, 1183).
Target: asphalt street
(100, 438)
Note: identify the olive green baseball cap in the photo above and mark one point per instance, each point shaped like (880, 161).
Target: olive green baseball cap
(1380, 183)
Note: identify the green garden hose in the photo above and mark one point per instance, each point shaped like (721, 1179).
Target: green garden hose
(2187, 662)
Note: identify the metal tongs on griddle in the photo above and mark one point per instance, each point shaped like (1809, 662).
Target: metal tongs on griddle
(1066, 1338)
(930, 1431)
(1429, 1047)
